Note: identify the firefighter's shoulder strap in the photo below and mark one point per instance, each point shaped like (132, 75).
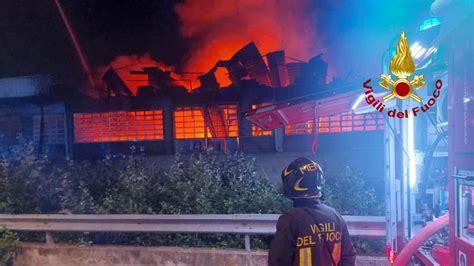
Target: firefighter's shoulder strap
(316, 221)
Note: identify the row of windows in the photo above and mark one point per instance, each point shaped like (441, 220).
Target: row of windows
(118, 126)
(345, 122)
(206, 122)
(190, 123)
(200, 122)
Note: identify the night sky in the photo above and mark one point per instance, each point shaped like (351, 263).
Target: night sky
(34, 39)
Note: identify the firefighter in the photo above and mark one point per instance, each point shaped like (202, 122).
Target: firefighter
(310, 233)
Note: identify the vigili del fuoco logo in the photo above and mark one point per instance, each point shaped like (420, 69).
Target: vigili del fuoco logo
(402, 88)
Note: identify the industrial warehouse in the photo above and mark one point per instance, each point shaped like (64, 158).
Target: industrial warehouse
(164, 118)
(195, 132)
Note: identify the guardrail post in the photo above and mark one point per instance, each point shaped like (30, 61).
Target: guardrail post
(49, 238)
(248, 248)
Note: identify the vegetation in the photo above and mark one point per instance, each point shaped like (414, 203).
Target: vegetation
(202, 183)
(9, 246)
(347, 192)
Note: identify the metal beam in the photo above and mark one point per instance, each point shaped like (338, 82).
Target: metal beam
(247, 224)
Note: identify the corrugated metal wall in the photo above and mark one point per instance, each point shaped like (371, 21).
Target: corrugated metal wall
(26, 86)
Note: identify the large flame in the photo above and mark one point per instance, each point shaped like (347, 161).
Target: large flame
(402, 64)
(218, 29)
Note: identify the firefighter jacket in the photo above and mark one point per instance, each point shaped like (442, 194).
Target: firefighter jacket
(311, 233)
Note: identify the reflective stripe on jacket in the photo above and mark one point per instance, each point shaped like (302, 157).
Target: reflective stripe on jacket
(311, 233)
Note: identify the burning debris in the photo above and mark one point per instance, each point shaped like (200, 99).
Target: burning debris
(124, 68)
(247, 64)
(216, 34)
(216, 31)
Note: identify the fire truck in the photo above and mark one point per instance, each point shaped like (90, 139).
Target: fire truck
(429, 157)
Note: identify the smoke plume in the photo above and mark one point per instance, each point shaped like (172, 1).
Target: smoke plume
(218, 29)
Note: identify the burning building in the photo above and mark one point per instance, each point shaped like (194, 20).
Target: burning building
(167, 116)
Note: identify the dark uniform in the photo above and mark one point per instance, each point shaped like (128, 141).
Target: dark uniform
(311, 233)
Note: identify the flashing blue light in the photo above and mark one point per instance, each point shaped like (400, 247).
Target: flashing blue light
(429, 23)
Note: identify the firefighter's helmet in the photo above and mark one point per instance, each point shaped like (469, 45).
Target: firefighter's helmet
(302, 178)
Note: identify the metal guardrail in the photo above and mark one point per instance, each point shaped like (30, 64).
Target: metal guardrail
(246, 224)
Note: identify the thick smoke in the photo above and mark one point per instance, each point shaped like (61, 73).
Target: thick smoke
(218, 29)
(353, 35)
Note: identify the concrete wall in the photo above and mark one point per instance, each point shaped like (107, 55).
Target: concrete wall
(52, 255)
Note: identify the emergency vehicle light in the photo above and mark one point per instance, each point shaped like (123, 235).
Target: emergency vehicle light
(429, 23)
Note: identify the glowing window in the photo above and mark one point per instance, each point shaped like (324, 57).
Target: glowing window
(222, 121)
(299, 129)
(345, 122)
(119, 126)
(53, 132)
(256, 131)
(211, 121)
(189, 123)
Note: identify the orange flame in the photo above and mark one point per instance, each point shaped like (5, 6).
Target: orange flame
(216, 30)
(219, 29)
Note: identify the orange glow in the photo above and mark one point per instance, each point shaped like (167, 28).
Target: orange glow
(201, 122)
(299, 129)
(118, 126)
(222, 77)
(345, 122)
(122, 64)
(256, 131)
(189, 123)
(222, 121)
(218, 31)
